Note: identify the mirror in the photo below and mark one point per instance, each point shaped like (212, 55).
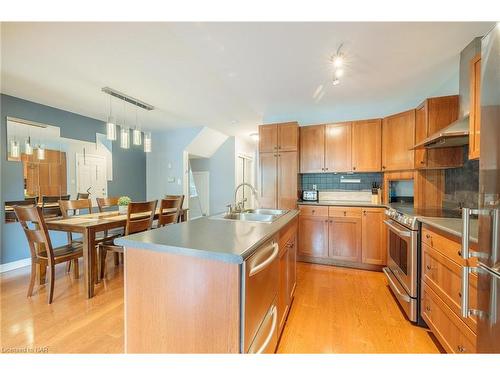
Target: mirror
(54, 167)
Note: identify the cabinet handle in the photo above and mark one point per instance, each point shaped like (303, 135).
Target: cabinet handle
(364, 212)
(428, 267)
(459, 252)
(460, 349)
(326, 169)
(353, 168)
(421, 162)
(428, 308)
(383, 167)
(427, 236)
(345, 213)
(313, 211)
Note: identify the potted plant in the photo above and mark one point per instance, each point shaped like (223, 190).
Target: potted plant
(123, 204)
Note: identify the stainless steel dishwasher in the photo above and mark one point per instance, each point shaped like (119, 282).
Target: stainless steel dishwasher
(259, 310)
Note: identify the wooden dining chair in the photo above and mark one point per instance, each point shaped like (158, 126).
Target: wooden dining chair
(82, 196)
(50, 210)
(42, 252)
(179, 218)
(107, 204)
(10, 216)
(72, 207)
(140, 217)
(170, 209)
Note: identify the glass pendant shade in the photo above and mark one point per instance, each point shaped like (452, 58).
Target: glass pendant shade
(28, 148)
(136, 137)
(40, 153)
(14, 149)
(111, 129)
(124, 138)
(147, 142)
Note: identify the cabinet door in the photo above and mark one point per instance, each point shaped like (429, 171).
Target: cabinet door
(268, 138)
(338, 147)
(398, 136)
(292, 267)
(313, 236)
(288, 136)
(268, 179)
(373, 238)
(367, 146)
(344, 239)
(421, 132)
(283, 299)
(475, 107)
(287, 180)
(312, 149)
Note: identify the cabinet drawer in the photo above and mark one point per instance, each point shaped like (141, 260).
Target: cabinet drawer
(344, 212)
(445, 244)
(450, 330)
(287, 234)
(445, 278)
(313, 210)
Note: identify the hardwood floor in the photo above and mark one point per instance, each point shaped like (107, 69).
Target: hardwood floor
(342, 310)
(336, 310)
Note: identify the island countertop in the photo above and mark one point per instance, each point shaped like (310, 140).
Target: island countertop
(230, 241)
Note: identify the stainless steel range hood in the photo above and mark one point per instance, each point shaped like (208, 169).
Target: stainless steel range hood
(457, 133)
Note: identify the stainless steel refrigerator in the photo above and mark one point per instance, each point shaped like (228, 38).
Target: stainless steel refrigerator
(488, 334)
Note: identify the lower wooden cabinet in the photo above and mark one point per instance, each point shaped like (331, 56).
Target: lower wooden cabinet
(441, 296)
(343, 235)
(283, 303)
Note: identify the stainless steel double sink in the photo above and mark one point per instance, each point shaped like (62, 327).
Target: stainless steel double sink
(261, 215)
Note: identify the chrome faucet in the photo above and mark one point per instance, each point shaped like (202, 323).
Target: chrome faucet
(238, 206)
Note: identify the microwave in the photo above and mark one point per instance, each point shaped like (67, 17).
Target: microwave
(310, 195)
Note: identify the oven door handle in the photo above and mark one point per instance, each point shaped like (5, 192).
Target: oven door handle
(402, 233)
(405, 297)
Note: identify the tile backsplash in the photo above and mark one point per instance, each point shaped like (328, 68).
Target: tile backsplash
(462, 185)
(331, 181)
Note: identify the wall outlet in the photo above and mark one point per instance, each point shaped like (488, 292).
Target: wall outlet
(315, 187)
(171, 180)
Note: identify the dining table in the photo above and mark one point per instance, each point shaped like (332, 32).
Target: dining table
(89, 225)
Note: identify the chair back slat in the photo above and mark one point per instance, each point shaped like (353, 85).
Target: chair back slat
(176, 196)
(82, 196)
(26, 202)
(104, 203)
(35, 229)
(54, 198)
(73, 207)
(169, 211)
(140, 216)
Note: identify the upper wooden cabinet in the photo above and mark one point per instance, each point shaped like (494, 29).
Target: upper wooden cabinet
(431, 116)
(367, 145)
(341, 147)
(312, 149)
(338, 147)
(268, 169)
(282, 137)
(475, 107)
(287, 180)
(398, 137)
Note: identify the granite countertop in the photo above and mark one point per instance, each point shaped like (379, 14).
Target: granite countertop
(342, 203)
(229, 241)
(452, 226)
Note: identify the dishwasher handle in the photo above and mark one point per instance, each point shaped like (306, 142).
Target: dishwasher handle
(259, 267)
(271, 331)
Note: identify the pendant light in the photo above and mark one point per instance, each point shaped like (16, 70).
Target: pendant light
(124, 133)
(28, 148)
(110, 124)
(147, 142)
(14, 149)
(136, 133)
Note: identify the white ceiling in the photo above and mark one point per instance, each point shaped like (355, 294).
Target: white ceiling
(233, 76)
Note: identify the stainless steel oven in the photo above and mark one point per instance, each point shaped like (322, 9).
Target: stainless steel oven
(402, 262)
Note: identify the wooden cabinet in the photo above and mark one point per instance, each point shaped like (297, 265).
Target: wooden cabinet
(367, 146)
(373, 236)
(398, 137)
(338, 147)
(344, 239)
(283, 299)
(279, 137)
(292, 266)
(268, 169)
(442, 267)
(312, 149)
(278, 162)
(287, 179)
(431, 116)
(47, 176)
(475, 108)
(343, 235)
(313, 236)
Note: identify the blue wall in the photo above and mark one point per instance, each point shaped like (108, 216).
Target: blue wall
(129, 166)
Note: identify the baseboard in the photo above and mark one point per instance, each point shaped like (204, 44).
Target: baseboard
(331, 262)
(15, 265)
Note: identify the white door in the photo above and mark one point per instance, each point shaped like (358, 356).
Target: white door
(91, 175)
(245, 173)
(202, 183)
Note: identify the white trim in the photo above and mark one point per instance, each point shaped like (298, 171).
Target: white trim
(6, 267)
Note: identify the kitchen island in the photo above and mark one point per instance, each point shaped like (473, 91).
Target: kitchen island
(209, 285)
